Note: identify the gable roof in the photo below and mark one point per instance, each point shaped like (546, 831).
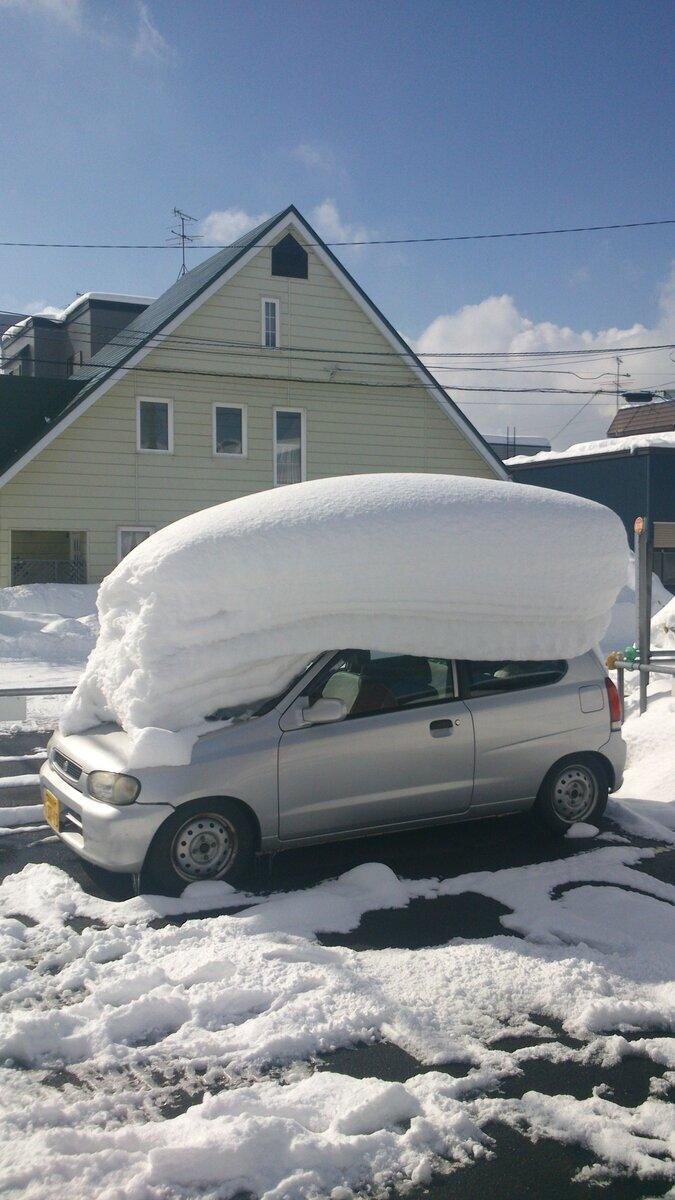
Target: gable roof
(138, 338)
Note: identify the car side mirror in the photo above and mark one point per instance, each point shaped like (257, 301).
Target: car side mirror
(325, 712)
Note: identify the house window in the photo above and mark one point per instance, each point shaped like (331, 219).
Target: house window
(155, 426)
(289, 259)
(131, 536)
(229, 430)
(270, 324)
(289, 446)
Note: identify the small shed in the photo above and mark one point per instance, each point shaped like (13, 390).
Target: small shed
(635, 482)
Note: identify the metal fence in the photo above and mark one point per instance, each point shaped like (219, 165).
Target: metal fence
(49, 570)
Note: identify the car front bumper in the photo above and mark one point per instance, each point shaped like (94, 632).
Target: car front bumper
(114, 837)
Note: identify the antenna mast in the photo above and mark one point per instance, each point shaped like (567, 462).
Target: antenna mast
(181, 238)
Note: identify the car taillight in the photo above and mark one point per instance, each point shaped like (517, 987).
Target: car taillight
(614, 704)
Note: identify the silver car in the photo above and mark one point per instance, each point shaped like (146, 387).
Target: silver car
(360, 743)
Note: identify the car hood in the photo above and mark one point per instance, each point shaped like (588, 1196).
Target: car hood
(103, 748)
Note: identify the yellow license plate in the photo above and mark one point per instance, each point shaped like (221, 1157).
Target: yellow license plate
(51, 810)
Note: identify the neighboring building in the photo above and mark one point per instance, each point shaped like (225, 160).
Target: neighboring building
(509, 447)
(644, 413)
(634, 476)
(44, 347)
(264, 365)
(7, 319)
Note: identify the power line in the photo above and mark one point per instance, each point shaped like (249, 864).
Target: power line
(401, 241)
(359, 384)
(136, 340)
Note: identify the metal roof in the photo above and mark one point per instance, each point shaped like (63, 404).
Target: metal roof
(28, 409)
(658, 417)
(167, 306)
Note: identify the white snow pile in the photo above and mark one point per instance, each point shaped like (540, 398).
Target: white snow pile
(46, 629)
(225, 606)
(621, 631)
(637, 441)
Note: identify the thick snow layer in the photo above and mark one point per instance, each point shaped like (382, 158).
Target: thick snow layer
(224, 607)
(638, 441)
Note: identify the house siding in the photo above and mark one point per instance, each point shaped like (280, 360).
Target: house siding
(92, 478)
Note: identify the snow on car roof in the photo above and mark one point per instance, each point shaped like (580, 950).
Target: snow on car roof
(225, 606)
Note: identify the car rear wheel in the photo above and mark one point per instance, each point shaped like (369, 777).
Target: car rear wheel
(575, 790)
(204, 840)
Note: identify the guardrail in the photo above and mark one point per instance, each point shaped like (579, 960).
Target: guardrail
(660, 662)
(18, 711)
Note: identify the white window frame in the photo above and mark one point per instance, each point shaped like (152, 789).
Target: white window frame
(303, 441)
(149, 529)
(153, 400)
(244, 430)
(277, 308)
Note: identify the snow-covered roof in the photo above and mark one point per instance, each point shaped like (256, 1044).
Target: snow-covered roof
(639, 441)
(60, 315)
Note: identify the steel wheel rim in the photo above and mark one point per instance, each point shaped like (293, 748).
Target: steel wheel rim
(575, 793)
(204, 847)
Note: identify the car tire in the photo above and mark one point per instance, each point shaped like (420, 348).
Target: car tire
(575, 789)
(205, 840)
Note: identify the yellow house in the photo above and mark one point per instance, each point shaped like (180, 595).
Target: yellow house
(264, 365)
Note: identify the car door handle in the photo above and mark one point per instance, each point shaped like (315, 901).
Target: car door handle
(440, 728)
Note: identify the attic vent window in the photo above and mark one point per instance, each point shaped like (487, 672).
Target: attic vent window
(289, 259)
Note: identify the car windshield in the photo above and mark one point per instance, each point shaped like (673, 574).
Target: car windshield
(258, 708)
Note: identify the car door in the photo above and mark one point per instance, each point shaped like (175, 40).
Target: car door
(404, 752)
(522, 713)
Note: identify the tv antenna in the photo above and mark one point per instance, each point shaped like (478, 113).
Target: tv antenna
(181, 238)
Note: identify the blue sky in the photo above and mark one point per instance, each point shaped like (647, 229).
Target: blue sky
(374, 118)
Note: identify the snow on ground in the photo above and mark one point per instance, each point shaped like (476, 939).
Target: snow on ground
(98, 1021)
(638, 441)
(225, 606)
(47, 631)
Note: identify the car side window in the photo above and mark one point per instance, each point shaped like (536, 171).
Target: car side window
(485, 678)
(372, 681)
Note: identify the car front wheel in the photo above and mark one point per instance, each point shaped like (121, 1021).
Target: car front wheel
(204, 840)
(575, 790)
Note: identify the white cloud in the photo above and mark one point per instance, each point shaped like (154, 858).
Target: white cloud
(315, 158)
(226, 225)
(497, 324)
(150, 44)
(328, 222)
(68, 11)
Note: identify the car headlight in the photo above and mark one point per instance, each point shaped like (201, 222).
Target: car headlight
(113, 788)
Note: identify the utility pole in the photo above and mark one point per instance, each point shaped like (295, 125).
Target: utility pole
(618, 376)
(180, 237)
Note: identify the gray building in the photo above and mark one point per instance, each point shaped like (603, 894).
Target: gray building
(54, 347)
(636, 482)
(510, 446)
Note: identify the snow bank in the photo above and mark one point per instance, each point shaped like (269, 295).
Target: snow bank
(46, 630)
(622, 626)
(225, 606)
(638, 441)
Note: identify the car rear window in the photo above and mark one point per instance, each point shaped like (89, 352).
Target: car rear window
(484, 678)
